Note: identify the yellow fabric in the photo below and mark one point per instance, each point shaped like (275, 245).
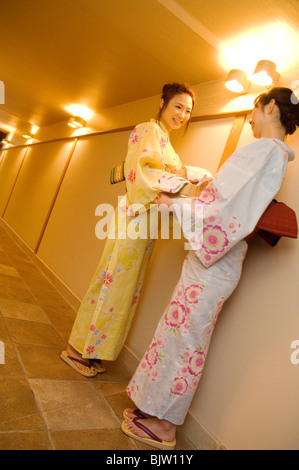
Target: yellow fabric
(107, 310)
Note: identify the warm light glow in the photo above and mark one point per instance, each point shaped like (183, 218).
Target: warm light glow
(76, 122)
(277, 42)
(234, 86)
(264, 73)
(79, 110)
(28, 135)
(34, 129)
(71, 124)
(262, 78)
(237, 81)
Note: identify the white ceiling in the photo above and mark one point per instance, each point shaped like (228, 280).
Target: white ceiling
(103, 53)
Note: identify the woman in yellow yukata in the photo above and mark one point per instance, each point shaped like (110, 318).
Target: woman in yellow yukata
(106, 312)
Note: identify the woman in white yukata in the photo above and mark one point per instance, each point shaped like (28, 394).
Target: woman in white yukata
(166, 379)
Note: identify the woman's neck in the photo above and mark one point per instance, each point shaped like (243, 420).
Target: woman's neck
(274, 132)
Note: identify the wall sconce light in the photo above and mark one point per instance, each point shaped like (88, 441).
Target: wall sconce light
(264, 72)
(76, 122)
(28, 135)
(237, 81)
(6, 142)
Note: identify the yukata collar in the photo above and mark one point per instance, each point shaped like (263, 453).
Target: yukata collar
(160, 123)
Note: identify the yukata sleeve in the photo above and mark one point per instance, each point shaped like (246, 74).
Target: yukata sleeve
(197, 173)
(147, 159)
(229, 209)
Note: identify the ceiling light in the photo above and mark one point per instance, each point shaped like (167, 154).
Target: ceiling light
(237, 81)
(264, 72)
(76, 122)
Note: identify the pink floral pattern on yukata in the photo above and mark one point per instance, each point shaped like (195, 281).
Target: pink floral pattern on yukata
(179, 312)
(214, 239)
(131, 176)
(215, 236)
(134, 138)
(206, 197)
(108, 279)
(192, 293)
(152, 359)
(189, 372)
(162, 142)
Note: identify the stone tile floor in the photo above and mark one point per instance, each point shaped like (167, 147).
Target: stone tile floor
(46, 405)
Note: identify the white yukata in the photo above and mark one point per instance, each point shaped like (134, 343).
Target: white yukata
(168, 374)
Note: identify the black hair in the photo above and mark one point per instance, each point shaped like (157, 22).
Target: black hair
(172, 89)
(287, 103)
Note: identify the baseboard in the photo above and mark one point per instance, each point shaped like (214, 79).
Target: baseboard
(63, 289)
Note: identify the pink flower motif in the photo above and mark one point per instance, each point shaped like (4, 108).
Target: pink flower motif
(151, 356)
(192, 293)
(179, 386)
(90, 350)
(108, 279)
(206, 197)
(162, 142)
(175, 315)
(161, 342)
(92, 301)
(214, 239)
(111, 309)
(131, 177)
(134, 136)
(196, 363)
(92, 328)
(132, 389)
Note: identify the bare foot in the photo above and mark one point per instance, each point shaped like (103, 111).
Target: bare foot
(163, 429)
(73, 353)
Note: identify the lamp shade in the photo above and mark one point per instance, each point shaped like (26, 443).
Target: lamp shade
(237, 81)
(77, 122)
(264, 72)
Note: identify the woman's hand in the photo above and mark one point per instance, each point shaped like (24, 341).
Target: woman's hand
(163, 198)
(182, 172)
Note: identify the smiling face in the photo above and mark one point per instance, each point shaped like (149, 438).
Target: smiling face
(177, 112)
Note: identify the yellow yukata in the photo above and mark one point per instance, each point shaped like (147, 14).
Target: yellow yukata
(107, 310)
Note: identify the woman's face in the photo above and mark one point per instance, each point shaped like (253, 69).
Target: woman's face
(257, 120)
(177, 112)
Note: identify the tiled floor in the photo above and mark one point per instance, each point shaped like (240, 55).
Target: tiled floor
(44, 403)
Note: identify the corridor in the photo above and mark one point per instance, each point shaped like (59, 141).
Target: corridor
(46, 405)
